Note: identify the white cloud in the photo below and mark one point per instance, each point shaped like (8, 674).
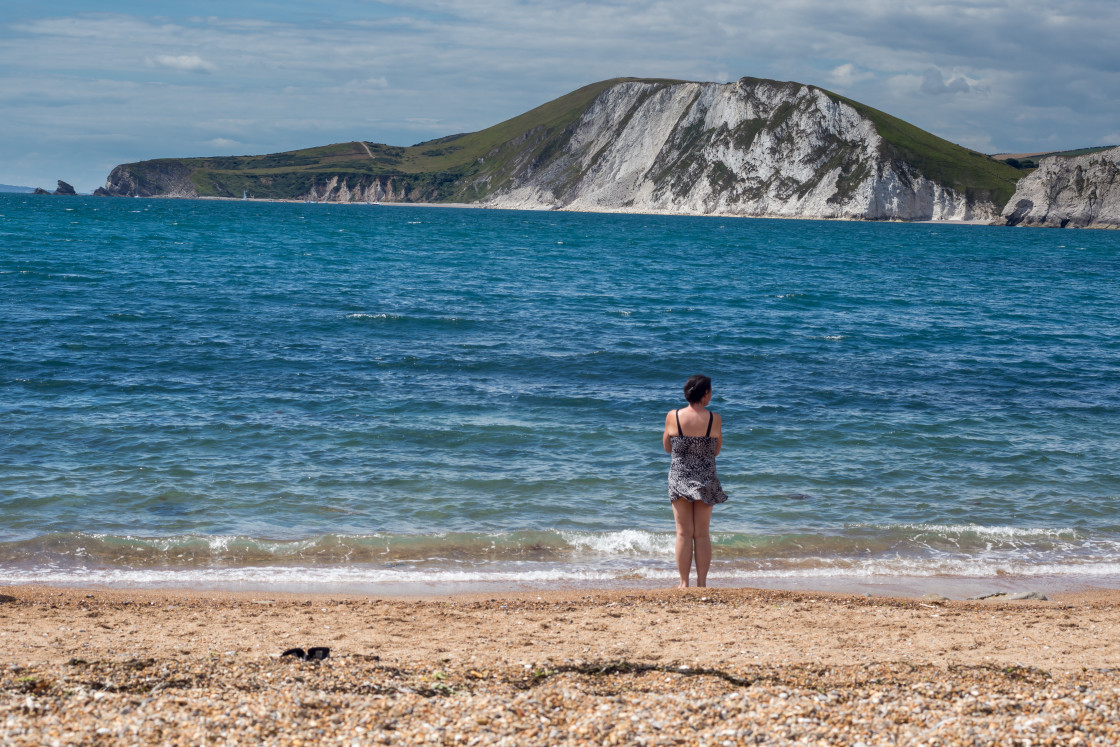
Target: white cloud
(364, 86)
(934, 83)
(426, 124)
(847, 74)
(189, 63)
(222, 142)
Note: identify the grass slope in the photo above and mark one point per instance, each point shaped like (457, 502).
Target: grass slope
(435, 170)
(976, 175)
(1030, 162)
(429, 169)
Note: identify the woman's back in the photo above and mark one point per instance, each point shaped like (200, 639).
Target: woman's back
(694, 444)
(694, 422)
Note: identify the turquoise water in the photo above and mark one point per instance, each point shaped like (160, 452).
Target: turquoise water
(240, 393)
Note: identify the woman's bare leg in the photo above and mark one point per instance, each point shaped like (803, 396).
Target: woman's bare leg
(701, 521)
(682, 513)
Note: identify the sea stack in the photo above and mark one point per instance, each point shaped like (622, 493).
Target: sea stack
(63, 189)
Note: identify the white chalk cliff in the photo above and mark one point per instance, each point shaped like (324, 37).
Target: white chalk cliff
(1069, 191)
(750, 148)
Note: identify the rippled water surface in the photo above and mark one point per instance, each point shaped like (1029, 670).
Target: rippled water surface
(235, 392)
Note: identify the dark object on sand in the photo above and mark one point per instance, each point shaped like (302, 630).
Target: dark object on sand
(318, 653)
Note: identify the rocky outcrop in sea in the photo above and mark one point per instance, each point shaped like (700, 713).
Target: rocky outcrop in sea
(63, 189)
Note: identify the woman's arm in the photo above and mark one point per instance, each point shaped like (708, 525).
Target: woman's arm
(667, 433)
(717, 432)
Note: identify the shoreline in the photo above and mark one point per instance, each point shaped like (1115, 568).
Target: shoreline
(954, 588)
(995, 222)
(630, 666)
(542, 209)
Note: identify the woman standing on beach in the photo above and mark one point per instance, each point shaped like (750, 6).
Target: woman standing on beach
(694, 437)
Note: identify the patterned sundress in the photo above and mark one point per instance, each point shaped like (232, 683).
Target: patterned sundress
(692, 471)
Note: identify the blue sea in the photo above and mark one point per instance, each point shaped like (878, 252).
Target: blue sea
(392, 398)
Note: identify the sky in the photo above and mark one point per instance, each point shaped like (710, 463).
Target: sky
(86, 86)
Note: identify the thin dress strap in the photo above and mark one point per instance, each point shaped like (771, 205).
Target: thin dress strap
(711, 417)
(677, 413)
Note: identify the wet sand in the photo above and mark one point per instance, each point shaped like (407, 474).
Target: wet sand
(632, 666)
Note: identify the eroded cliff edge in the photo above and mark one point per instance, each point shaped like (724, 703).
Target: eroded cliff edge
(1064, 191)
(164, 177)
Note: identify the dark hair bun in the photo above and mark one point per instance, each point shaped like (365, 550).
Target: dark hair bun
(696, 387)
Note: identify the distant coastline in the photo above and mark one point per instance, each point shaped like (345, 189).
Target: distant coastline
(602, 211)
(664, 147)
(327, 202)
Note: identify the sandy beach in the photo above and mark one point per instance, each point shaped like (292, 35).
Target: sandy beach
(712, 666)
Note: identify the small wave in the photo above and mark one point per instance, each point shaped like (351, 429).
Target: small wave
(375, 316)
(977, 530)
(911, 568)
(951, 549)
(423, 321)
(625, 542)
(410, 578)
(199, 551)
(313, 577)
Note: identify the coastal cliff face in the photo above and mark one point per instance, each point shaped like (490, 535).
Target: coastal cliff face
(1075, 192)
(176, 178)
(753, 148)
(165, 177)
(351, 188)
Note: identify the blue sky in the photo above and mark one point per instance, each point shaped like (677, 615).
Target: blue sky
(83, 90)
